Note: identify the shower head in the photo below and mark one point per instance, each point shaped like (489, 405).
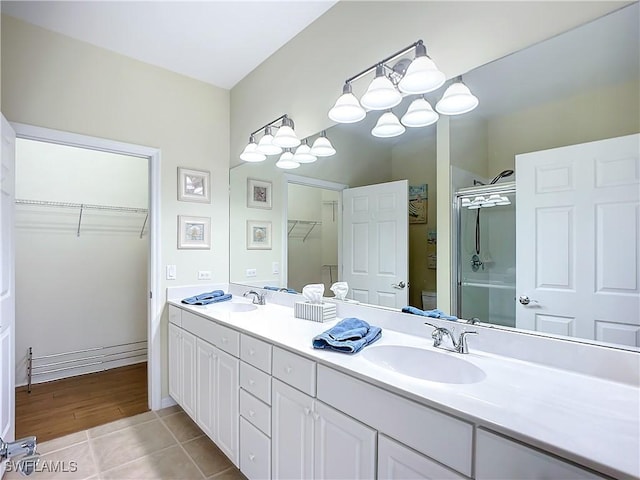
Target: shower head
(502, 174)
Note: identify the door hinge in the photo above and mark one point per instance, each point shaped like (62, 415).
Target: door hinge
(150, 294)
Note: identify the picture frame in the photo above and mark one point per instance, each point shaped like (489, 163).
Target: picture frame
(258, 193)
(418, 197)
(194, 185)
(258, 235)
(194, 233)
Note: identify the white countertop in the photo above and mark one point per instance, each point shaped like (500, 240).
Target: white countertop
(589, 420)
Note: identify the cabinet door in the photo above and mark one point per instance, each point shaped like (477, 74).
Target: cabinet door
(226, 405)
(344, 448)
(291, 433)
(398, 462)
(188, 373)
(175, 360)
(206, 368)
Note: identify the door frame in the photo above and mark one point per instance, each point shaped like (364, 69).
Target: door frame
(154, 311)
(309, 182)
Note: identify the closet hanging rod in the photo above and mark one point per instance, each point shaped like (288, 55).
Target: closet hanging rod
(46, 203)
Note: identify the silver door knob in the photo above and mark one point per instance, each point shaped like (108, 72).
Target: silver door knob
(524, 300)
(399, 285)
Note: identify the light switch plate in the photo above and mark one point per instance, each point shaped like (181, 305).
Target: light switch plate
(204, 274)
(251, 272)
(171, 272)
(275, 268)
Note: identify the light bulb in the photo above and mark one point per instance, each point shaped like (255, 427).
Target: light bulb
(457, 99)
(347, 108)
(388, 126)
(381, 94)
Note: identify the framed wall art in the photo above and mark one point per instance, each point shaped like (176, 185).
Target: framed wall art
(194, 232)
(258, 235)
(258, 193)
(418, 203)
(193, 185)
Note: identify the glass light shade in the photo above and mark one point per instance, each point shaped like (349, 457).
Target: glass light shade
(266, 146)
(422, 76)
(303, 154)
(286, 161)
(473, 206)
(503, 201)
(387, 126)
(419, 114)
(381, 94)
(465, 202)
(457, 99)
(286, 137)
(322, 147)
(347, 109)
(249, 154)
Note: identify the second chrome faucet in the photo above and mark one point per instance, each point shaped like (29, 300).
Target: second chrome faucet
(459, 345)
(258, 298)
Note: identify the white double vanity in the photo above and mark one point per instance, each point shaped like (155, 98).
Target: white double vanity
(249, 377)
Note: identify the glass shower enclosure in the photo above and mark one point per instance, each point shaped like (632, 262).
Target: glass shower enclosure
(485, 217)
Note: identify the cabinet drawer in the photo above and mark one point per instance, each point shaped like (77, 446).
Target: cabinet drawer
(397, 461)
(224, 338)
(421, 428)
(255, 452)
(498, 457)
(255, 352)
(175, 316)
(295, 370)
(256, 412)
(255, 382)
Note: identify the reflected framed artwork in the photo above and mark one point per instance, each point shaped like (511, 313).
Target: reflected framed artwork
(258, 235)
(418, 203)
(258, 193)
(193, 185)
(194, 233)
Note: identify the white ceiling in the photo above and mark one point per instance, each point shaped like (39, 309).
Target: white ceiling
(218, 42)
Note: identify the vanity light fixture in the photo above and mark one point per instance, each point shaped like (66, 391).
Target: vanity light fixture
(266, 145)
(391, 83)
(269, 144)
(322, 146)
(250, 153)
(303, 153)
(286, 161)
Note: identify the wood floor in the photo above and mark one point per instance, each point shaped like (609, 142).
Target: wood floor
(58, 408)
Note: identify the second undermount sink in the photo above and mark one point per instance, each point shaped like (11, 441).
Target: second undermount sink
(234, 307)
(424, 364)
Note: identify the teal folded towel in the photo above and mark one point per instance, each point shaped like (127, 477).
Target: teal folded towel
(435, 313)
(207, 298)
(349, 335)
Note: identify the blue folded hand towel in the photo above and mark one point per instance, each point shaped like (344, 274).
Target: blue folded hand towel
(349, 335)
(206, 298)
(435, 313)
(279, 289)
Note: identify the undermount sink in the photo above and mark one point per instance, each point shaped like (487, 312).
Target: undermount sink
(233, 307)
(424, 364)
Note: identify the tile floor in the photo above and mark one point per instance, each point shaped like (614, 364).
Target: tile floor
(165, 444)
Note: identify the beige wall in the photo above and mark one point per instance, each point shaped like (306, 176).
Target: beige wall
(53, 81)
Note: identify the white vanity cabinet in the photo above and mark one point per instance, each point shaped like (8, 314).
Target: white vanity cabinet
(182, 368)
(217, 397)
(500, 458)
(311, 440)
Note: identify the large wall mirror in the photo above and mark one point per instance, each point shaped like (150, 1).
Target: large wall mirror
(577, 87)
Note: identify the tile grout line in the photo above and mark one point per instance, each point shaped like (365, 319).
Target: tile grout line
(180, 444)
(135, 460)
(93, 455)
(119, 429)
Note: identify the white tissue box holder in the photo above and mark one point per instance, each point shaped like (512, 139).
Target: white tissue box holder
(316, 312)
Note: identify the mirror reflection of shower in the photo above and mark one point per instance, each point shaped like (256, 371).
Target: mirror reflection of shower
(486, 251)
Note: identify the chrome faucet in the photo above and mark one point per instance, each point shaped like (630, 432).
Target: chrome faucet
(258, 298)
(459, 346)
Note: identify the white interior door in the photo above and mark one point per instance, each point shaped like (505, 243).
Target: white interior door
(7, 283)
(375, 243)
(578, 231)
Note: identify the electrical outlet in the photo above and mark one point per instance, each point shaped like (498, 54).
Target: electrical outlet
(171, 272)
(275, 268)
(251, 272)
(204, 275)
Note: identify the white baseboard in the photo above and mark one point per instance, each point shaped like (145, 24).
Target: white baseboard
(167, 402)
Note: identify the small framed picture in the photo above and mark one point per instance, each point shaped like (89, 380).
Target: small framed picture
(258, 235)
(194, 232)
(258, 193)
(193, 185)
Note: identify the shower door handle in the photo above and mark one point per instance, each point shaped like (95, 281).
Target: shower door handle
(399, 285)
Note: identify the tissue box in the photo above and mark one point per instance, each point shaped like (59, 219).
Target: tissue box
(316, 312)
